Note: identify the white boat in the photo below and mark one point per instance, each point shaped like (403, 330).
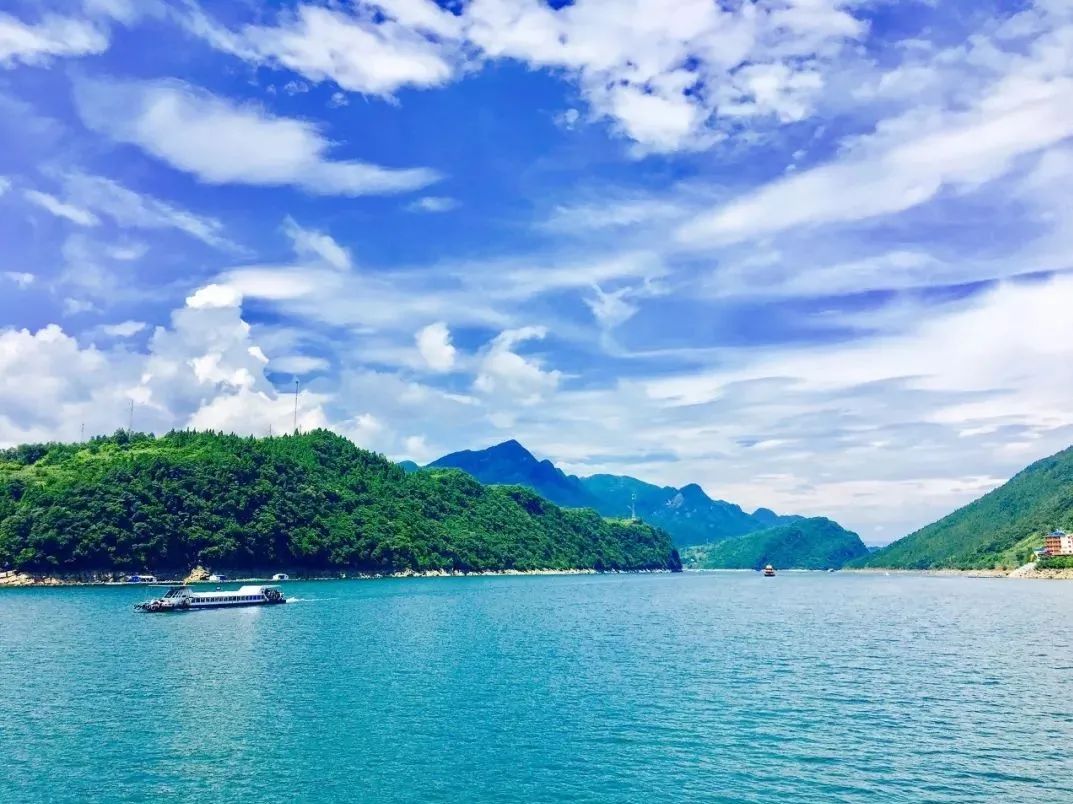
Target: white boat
(141, 579)
(181, 598)
(214, 578)
(281, 576)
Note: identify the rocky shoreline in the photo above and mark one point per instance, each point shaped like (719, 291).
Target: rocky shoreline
(22, 579)
(1028, 571)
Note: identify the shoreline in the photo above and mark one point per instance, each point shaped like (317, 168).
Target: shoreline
(20, 580)
(1026, 572)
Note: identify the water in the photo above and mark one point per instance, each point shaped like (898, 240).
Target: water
(698, 687)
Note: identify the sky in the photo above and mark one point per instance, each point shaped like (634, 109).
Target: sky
(811, 254)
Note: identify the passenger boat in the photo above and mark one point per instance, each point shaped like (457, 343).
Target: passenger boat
(181, 598)
(769, 571)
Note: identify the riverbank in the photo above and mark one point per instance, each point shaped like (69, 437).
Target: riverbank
(19, 579)
(1027, 571)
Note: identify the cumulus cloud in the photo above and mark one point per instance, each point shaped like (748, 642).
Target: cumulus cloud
(52, 36)
(214, 295)
(221, 142)
(670, 75)
(504, 372)
(20, 279)
(373, 49)
(434, 345)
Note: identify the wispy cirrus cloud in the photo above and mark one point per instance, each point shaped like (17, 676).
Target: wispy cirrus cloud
(100, 196)
(53, 205)
(52, 36)
(223, 142)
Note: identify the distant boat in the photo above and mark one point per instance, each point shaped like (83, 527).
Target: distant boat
(769, 571)
(215, 578)
(180, 598)
(281, 576)
(141, 579)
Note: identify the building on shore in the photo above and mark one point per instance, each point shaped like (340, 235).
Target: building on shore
(1058, 543)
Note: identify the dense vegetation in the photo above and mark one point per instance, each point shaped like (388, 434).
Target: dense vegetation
(816, 543)
(313, 502)
(998, 530)
(1055, 562)
(688, 514)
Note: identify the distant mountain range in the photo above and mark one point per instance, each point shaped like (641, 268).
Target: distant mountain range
(687, 513)
(998, 530)
(816, 543)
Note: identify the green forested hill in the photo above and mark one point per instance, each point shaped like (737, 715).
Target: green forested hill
(815, 543)
(999, 529)
(688, 513)
(312, 501)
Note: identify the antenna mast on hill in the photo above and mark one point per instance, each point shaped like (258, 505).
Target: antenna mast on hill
(130, 426)
(633, 506)
(296, 405)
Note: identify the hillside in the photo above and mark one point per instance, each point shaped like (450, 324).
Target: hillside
(999, 529)
(313, 502)
(816, 543)
(510, 463)
(688, 514)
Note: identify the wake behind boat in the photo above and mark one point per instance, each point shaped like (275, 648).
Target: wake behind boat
(181, 598)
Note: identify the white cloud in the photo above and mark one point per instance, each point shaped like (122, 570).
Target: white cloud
(308, 242)
(221, 142)
(53, 205)
(5, 185)
(72, 306)
(1020, 109)
(418, 449)
(434, 345)
(433, 203)
(584, 218)
(611, 309)
(124, 329)
(298, 364)
(36, 44)
(667, 73)
(139, 211)
(504, 372)
(374, 50)
(214, 296)
(126, 252)
(21, 279)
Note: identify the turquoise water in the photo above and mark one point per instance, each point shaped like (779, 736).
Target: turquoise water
(697, 687)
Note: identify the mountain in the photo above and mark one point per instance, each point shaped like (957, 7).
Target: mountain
(510, 463)
(688, 514)
(816, 543)
(999, 529)
(306, 502)
(408, 466)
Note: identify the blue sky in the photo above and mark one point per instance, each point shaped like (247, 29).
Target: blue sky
(811, 254)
